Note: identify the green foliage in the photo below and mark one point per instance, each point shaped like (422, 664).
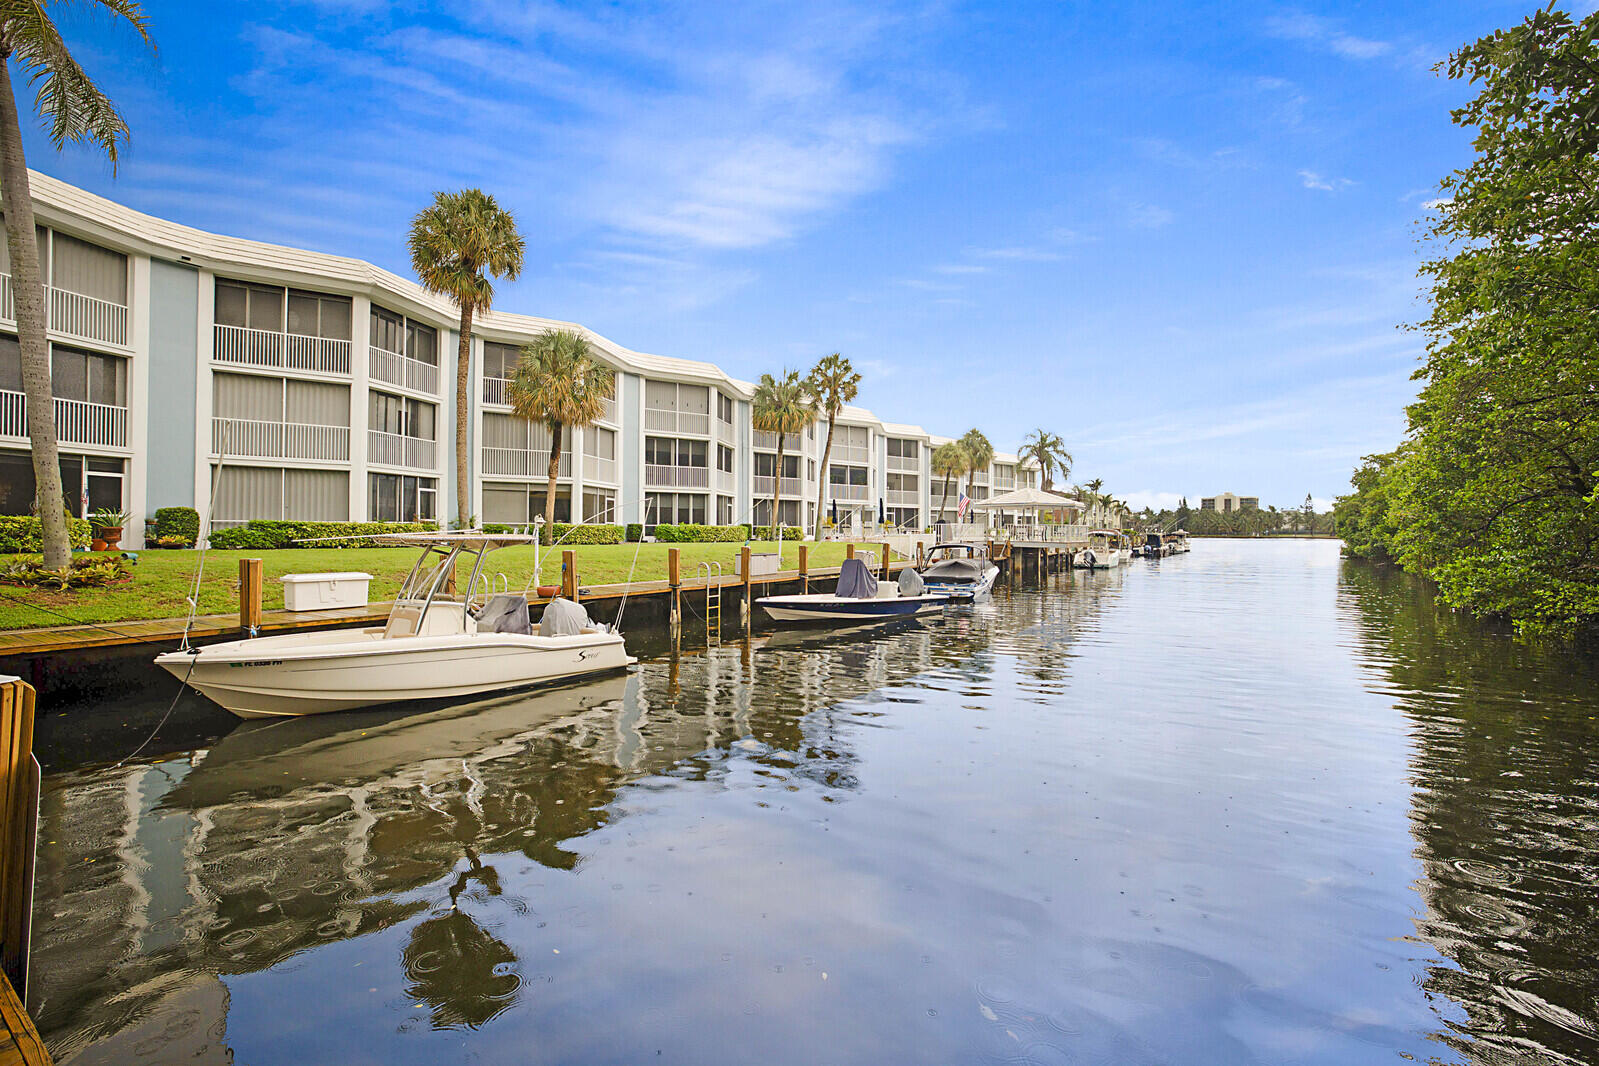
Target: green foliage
(694, 533)
(263, 534)
(177, 522)
(634, 532)
(764, 533)
(20, 534)
(94, 571)
(1496, 493)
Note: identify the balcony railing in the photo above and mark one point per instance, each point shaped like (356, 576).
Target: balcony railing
(74, 314)
(792, 486)
(677, 477)
(724, 481)
(402, 370)
(908, 463)
(77, 421)
(494, 391)
(291, 351)
(904, 498)
(657, 420)
(246, 438)
(597, 469)
(792, 443)
(524, 462)
(849, 492)
(393, 449)
(608, 412)
(855, 455)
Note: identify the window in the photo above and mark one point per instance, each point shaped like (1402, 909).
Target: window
(724, 458)
(89, 270)
(315, 315)
(666, 451)
(766, 464)
(724, 510)
(673, 507)
(252, 306)
(87, 376)
(248, 397)
(899, 448)
(401, 498)
(724, 408)
(599, 443)
(499, 360)
(87, 484)
(401, 416)
(846, 475)
(599, 507)
(422, 343)
(901, 483)
(388, 331)
(247, 492)
(810, 469)
(517, 504)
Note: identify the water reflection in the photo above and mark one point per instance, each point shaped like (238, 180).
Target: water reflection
(1506, 818)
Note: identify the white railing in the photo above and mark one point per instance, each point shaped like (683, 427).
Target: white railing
(393, 449)
(792, 486)
(74, 313)
(724, 481)
(494, 391)
(402, 370)
(906, 463)
(597, 469)
(904, 498)
(792, 444)
(77, 421)
(608, 412)
(255, 439)
(524, 462)
(850, 454)
(678, 477)
(292, 351)
(1004, 484)
(853, 493)
(657, 420)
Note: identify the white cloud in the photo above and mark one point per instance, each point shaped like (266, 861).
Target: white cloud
(1148, 216)
(1325, 34)
(1155, 501)
(1016, 253)
(1312, 180)
(961, 268)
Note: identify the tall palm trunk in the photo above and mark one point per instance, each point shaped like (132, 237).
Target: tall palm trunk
(27, 288)
(556, 430)
(777, 484)
(822, 483)
(463, 382)
(942, 502)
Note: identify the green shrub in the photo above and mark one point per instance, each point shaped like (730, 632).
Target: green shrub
(84, 572)
(764, 533)
(177, 522)
(241, 538)
(695, 533)
(587, 534)
(635, 532)
(21, 534)
(263, 534)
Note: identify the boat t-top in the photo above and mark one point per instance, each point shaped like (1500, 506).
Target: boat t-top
(1103, 551)
(1154, 546)
(858, 599)
(961, 569)
(436, 644)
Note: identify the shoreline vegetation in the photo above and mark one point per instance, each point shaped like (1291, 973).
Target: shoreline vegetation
(1494, 492)
(160, 582)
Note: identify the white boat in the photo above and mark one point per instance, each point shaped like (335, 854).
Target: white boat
(1103, 551)
(961, 569)
(1124, 549)
(435, 645)
(858, 600)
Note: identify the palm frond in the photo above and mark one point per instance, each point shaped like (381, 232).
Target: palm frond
(459, 241)
(559, 380)
(783, 405)
(834, 382)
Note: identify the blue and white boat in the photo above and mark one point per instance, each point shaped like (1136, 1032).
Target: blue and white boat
(858, 600)
(962, 570)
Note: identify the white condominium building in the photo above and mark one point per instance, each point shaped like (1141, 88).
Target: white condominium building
(313, 387)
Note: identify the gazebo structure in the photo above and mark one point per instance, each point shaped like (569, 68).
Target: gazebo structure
(1032, 502)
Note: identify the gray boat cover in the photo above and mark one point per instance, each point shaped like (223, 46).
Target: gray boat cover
(910, 582)
(855, 582)
(563, 618)
(955, 570)
(504, 614)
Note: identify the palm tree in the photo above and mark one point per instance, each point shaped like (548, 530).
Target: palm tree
(949, 462)
(781, 405)
(979, 454)
(75, 109)
(1049, 453)
(559, 383)
(834, 383)
(456, 244)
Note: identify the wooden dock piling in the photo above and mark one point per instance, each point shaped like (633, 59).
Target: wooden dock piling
(746, 605)
(805, 568)
(569, 574)
(674, 580)
(250, 594)
(19, 826)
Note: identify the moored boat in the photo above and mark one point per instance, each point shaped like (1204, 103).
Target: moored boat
(960, 569)
(858, 599)
(435, 645)
(1103, 551)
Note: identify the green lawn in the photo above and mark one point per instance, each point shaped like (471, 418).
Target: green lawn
(162, 579)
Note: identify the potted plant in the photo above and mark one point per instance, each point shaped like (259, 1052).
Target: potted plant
(107, 529)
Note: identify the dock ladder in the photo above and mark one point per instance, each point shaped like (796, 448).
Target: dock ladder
(713, 601)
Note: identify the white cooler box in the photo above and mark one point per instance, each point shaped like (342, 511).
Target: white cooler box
(761, 563)
(324, 592)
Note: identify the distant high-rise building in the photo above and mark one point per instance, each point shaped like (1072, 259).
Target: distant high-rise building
(1228, 502)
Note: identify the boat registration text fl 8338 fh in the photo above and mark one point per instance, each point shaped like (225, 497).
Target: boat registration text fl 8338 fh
(436, 644)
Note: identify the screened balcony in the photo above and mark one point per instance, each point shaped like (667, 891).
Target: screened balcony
(77, 422)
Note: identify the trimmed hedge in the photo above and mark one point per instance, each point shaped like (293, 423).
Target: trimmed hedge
(177, 522)
(22, 533)
(564, 532)
(765, 533)
(266, 534)
(635, 532)
(694, 533)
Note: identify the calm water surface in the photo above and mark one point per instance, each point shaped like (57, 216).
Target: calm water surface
(1248, 805)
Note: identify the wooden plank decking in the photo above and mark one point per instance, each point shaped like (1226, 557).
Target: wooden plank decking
(20, 1044)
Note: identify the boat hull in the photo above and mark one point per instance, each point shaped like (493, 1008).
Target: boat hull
(965, 591)
(274, 677)
(804, 608)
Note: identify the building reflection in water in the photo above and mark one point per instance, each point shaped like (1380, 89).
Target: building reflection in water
(160, 881)
(1506, 820)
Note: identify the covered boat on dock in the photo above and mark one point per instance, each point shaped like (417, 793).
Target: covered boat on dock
(961, 569)
(436, 644)
(1103, 551)
(859, 599)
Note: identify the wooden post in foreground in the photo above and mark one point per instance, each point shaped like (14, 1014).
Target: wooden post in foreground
(805, 568)
(849, 550)
(19, 825)
(746, 603)
(888, 554)
(921, 554)
(569, 574)
(249, 594)
(674, 578)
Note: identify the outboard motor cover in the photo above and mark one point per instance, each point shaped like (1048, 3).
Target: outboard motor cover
(910, 583)
(505, 614)
(563, 618)
(855, 582)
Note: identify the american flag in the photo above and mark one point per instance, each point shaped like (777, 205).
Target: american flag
(962, 505)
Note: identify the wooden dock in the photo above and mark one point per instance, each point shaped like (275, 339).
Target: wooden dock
(20, 1044)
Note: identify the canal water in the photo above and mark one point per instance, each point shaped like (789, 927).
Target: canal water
(1248, 805)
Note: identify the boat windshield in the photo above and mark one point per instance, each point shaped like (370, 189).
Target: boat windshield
(428, 576)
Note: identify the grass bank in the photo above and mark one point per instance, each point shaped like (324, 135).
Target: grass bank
(162, 579)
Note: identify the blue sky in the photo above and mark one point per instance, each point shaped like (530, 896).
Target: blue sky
(1183, 236)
